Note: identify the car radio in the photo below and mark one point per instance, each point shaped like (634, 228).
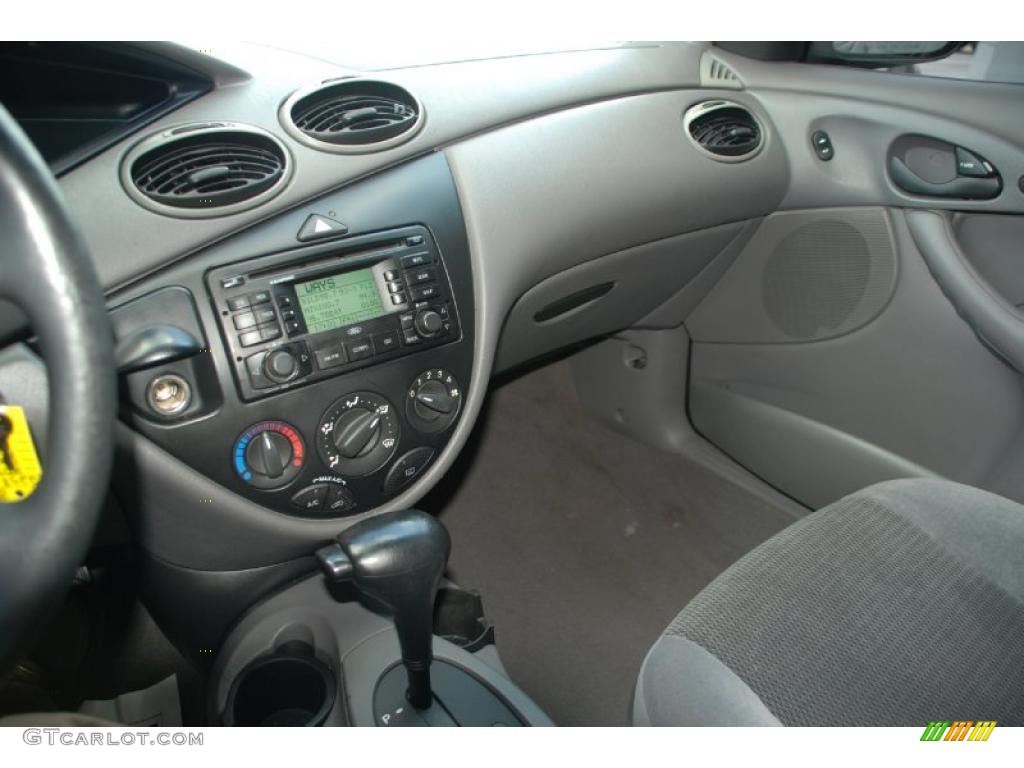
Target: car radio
(293, 319)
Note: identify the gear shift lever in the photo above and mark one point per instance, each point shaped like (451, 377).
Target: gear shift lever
(397, 558)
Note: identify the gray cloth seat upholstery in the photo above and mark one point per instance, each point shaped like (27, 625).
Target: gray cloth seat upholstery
(897, 605)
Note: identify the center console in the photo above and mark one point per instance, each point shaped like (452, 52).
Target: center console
(354, 318)
(331, 372)
(310, 656)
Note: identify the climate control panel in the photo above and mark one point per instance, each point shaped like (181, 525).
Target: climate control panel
(357, 439)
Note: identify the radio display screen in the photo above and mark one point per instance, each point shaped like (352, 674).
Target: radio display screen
(331, 302)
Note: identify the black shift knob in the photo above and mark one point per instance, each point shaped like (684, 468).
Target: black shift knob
(397, 559)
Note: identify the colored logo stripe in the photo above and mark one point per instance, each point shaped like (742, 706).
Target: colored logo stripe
(958, 730)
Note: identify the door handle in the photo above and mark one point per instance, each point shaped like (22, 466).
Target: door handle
(960, 187)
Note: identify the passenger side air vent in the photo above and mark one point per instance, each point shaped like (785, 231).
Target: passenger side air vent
(724, 130)
(207, 170)
(353, 116)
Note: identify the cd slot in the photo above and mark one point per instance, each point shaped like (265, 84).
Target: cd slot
(334, 259)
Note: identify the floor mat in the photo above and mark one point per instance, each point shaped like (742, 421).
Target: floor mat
(584, 543)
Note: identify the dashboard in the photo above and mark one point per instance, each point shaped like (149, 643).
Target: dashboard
(310, 302)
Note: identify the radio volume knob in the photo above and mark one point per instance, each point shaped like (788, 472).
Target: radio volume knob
(280, 366)
(428, 322)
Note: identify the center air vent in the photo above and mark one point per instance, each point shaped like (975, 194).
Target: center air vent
(724, 130)
(353, 116)
(206, 170)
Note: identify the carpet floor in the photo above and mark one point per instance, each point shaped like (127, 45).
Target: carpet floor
(584, 543)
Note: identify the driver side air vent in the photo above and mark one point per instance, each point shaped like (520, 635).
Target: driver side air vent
(724, 130)
(207, 169)
(353, 115)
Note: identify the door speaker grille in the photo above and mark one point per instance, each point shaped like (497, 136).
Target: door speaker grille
(804, 276)
(819, 274)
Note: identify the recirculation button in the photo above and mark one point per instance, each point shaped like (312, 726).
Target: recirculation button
(407, 468)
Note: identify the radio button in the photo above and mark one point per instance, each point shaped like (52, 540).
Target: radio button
(317, 226)
(359, 350)
(330, 357)
(417, 276)
(244, 320)
(269, 332)
(424, 292)
(428, 322)
(260, 297)
(238, 302)
(249, 338)
(385, 342)
(281, 366)
(414, 260)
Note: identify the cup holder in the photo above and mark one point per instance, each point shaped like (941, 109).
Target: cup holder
(288, 688)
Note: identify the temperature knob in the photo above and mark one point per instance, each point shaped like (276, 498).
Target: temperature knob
(433, 401)
(358, 434)
(269, 454)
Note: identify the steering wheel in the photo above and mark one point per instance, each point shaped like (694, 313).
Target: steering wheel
(45, 270)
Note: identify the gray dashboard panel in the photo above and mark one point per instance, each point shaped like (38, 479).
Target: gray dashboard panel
(460, 100)
(615, 175)
(636, 280)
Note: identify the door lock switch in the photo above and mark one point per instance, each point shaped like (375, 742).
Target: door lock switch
(822, 144)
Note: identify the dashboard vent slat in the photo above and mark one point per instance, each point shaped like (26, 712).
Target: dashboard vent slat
(725, 130)
(356, 114)
(209, 169)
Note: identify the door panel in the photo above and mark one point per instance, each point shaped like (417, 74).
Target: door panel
(995, 247)
(912, 391)
(830, 357)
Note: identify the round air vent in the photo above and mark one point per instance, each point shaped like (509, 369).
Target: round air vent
(353, 115)
(724, 130)
(206, 169)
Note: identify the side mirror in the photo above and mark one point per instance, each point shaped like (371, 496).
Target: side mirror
(880, 54)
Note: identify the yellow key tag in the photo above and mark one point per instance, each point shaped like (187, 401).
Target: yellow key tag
(19, 463)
